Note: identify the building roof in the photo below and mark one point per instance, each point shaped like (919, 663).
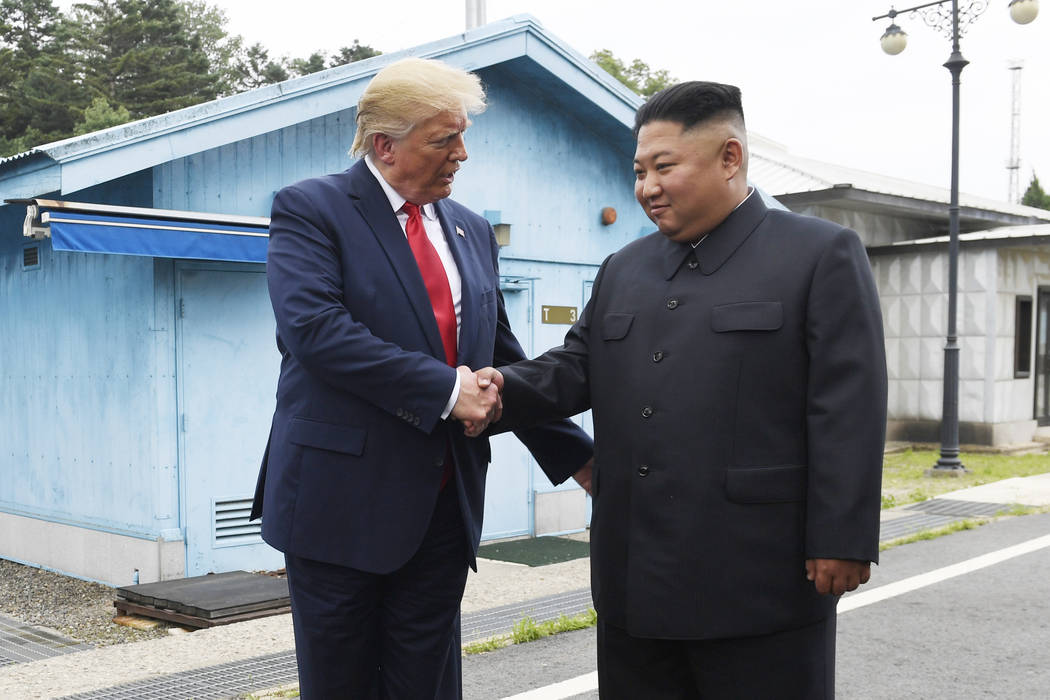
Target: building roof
(537, 56)
(799, 181)
(1001, 237)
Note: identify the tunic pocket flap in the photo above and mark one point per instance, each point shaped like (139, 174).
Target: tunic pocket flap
(327, 436)
(782, 484)
(616, 325)
(747, 316)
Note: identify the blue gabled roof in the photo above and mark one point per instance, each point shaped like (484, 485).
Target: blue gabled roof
(82, 161)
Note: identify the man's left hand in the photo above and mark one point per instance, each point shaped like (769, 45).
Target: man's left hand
(836, 576)
(583, 477)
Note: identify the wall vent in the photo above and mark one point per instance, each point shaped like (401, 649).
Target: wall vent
(31, 257)
(231, 523)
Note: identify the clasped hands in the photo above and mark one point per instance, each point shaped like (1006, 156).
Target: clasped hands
(479, 402)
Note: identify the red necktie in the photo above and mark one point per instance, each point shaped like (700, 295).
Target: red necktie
(440, 294)
(434, 278)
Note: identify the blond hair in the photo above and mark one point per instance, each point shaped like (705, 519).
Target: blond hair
(410, 91)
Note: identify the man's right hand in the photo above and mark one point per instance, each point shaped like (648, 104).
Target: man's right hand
(487, 379)
(478, 403)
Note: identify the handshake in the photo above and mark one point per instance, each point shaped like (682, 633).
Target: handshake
(479, 402)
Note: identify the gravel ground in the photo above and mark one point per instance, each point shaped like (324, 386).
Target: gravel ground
(79, 609)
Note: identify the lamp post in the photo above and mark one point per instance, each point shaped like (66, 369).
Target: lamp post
(952, 22)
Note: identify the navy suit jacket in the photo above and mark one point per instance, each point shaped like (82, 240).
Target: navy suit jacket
(354, 462)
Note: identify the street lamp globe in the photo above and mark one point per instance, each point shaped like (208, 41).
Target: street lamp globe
(1024, 11)
(894, 39)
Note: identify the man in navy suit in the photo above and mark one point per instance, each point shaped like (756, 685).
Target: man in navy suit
(386, 294)
(734, 361)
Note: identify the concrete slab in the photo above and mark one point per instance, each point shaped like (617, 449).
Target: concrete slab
(1022, 490)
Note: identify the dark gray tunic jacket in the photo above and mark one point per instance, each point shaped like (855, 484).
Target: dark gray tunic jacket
(739, 402)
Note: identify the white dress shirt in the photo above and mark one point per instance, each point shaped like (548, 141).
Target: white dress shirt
(437, 239)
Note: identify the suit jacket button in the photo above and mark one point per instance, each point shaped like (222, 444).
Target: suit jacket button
(672, 304)
(647, 412)
(400, 413)
(643, 470)
(415, 421)
(439, 462)
(658, 355)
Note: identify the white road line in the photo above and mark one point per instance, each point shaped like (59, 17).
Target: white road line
(589, 681)
(913, 583)
(565, 689)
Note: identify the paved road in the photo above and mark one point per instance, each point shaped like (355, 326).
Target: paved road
(982, 632)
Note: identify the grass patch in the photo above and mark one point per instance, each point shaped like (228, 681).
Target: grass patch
(904, 480)
(528, 630)
(934, 533)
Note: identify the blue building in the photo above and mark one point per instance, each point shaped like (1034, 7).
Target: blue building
(137, 356)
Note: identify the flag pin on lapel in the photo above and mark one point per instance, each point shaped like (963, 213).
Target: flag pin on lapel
(459, 232)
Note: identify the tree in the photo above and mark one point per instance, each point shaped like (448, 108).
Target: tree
(311, 64)
(349, 54)
(255, 69)
(1034, 196)
(41, 91)
(142, 55)
(207, 23)
(100, 115)
(639, 77)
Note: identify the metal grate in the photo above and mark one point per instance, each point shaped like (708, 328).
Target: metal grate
(20, 642)
(950, 506)
(31, 257)
(212, 683)
(231, 523)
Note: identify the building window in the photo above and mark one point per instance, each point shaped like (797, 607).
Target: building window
(1023, 337)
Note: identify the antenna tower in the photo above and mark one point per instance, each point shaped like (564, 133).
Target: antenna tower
(1013, 165)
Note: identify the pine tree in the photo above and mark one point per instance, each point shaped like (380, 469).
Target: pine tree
(349, 54)
(140, 54)
(41, 93)
(1034, 196)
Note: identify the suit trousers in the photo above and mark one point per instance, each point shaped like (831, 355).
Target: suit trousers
(389, 636)
(795, 664)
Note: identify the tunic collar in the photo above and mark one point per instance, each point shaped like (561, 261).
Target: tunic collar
(721, 242)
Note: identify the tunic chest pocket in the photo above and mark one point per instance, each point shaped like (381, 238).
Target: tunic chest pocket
(747, 316)
(616, 325)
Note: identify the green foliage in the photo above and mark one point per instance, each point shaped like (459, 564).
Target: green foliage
(100, 115)
(349, 54)
(1034, 196)
(934, 533)
(638, 76)
(106, 62)
(141, 54)
(904, 477)
(528, 630)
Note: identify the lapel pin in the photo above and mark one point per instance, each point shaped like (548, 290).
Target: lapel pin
(459, 232)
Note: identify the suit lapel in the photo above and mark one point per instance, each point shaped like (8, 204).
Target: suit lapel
(462, 253)
(374, 207)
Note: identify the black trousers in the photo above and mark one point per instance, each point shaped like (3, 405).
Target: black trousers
(792, 665)
(384, 636)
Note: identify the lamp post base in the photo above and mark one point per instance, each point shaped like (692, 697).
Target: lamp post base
(947, 470)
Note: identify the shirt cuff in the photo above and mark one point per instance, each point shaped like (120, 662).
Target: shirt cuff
(451, 400)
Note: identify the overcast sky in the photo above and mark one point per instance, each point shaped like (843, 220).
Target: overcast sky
(812, 73)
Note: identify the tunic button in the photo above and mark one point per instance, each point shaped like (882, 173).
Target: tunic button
(647, 412)
(400, 413)
(692, 264)
(657, 356)
(643, 470)
(672, 304)
(439, 462)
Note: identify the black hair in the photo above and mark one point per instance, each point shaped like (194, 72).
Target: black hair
(691, 104)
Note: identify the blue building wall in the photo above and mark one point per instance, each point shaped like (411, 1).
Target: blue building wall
(88, 386)
(103, 356)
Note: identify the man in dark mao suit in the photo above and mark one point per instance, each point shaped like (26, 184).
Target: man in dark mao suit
(385, 295)
(734, 363)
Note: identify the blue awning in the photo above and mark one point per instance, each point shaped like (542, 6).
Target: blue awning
(157, 237)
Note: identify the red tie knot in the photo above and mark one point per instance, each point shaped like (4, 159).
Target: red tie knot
(411, 209)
